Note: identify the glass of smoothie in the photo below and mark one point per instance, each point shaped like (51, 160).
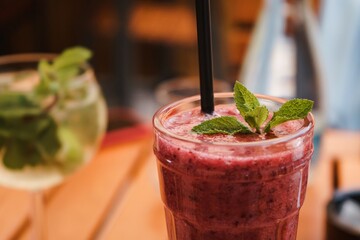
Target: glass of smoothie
(225, 187)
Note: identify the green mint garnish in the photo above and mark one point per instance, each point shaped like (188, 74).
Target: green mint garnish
(29, 135)
(225, 124)
(257, 117)
(254, 114)
(291, 110)
(244, 99)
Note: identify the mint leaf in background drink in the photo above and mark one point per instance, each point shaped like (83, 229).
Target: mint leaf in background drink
(16, 104)
(72, 57)
(226, 124)
(257, 117)
(47, 85)
(291, 110)
(20, 153)
(55, 75)
(26, 128)
(29, 135)
(2, 142)
(13, 157)
(29, 140)
(244, 99)
(254, 114)
(48, 141)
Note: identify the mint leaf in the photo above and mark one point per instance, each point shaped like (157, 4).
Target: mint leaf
(48, 141)
(55, 77)
(27, 127)
(257, 117)
(291, 110)
(2, 143)
(65, 74)
(29, 143)
(47, 85)
(254, 114)
(72, 57)
(225, 125)
(13, 157)
(244, 99)
(15, 105)
(19, 153)
(45, 70)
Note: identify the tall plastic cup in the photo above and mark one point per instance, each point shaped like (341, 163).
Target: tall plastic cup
(243, 190)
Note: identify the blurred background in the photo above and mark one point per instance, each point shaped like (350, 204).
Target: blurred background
(143, 49)
(145, 55)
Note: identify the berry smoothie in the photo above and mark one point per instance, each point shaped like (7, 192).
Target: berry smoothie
(223, 187)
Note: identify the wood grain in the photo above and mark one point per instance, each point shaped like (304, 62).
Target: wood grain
(14, 208)
(141, 215)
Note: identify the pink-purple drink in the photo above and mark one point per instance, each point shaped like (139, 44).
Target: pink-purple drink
(225, 187)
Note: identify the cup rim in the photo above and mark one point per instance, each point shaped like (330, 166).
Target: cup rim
(159, 127)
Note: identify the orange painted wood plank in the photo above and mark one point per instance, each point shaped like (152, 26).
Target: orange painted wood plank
(141, 214)
(80, 205)
(349, 171)
(14, 208)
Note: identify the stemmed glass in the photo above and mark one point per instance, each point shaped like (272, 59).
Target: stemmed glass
(41, 143)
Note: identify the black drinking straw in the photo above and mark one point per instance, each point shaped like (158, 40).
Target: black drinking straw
(205, 55)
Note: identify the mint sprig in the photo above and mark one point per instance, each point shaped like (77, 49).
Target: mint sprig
(257, 117)
(254, 114)
(55, 75)
(291, 110)
(245, 101)
(29, 135)
(226, 124)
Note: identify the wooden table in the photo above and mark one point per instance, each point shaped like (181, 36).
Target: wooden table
(116, 196)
